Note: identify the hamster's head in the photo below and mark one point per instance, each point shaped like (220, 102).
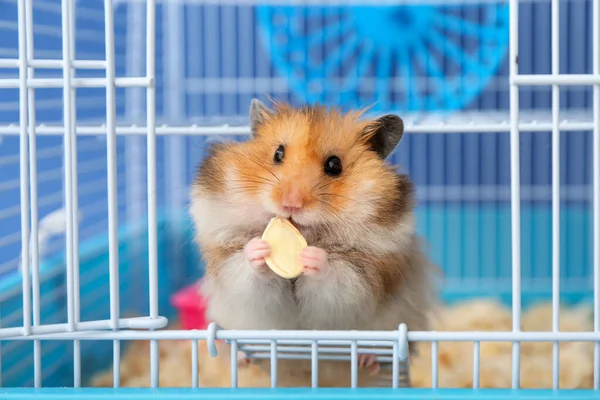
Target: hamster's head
(315, 166)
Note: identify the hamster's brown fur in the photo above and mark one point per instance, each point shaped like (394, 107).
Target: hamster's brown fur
(377, 275)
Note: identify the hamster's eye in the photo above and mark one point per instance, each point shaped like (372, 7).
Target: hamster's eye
(333, 166)
(279, 154)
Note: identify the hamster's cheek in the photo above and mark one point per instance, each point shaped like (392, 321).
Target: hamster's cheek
(366, 186)
(266, 203)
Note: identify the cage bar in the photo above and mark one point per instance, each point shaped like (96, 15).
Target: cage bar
(515, 185)
(555, 189)
(53, 64)
(395, 366)
(314, 364)
(57, 83)
(563, 80)
(111, 168)
(75, 175)
(195, 364)
(476, 364)
(424, 127)
(24, 169)
(234, 363)
(151, 169)
(434, 365)
(33, 190)
(354, 364)
(68, 143)
(273, 358)
(300, 337)
(304, 349)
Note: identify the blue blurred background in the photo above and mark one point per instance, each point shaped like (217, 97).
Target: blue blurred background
(426, 61)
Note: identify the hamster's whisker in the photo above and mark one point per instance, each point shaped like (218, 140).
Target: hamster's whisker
(335, 195)
(245, 176)
(244, 186)
(317, 185)
(262, 166)
(244, 189)
(335, 210)
(323, 185)
(265, 182)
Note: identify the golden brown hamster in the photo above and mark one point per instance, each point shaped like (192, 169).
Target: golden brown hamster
(326, 171)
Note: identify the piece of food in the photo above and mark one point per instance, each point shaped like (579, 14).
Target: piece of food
(286, 243)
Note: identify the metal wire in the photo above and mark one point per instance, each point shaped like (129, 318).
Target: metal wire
(273, 359)
(354, 364)
(314, 366)
(151, 169)
(33, 188)
(555, 190)
(434, 365)
(476, 364)
(75, 200)
(515, 180)
(111, 167)
(195, 365)
(234, 364)
(24, 170)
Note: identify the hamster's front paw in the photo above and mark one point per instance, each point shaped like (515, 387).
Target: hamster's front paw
(314, 260)
(255, 251)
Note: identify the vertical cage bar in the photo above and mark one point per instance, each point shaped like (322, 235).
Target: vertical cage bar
(273, 363)
(314, 364)
(234, 364)
(151, 169)
(111, 168)
(515, 200)
(354, 364)
(68, 144)
(555, 190)
(24, 169)
(194, 363)
(33, 190)
(596, 163)
(395, 366)
(476, 364)
(434, 365)
(74, 173)
(68, 154)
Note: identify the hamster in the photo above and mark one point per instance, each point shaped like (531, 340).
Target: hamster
(325, 171)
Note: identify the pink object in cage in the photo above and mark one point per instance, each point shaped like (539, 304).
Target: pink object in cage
(191, 306)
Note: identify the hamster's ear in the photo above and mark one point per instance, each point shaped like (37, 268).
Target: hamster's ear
(384, 134)
(259, 113)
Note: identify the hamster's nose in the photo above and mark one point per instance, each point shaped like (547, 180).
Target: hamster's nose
(292, 200)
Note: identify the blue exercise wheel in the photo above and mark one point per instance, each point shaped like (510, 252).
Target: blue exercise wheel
(407, 57)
